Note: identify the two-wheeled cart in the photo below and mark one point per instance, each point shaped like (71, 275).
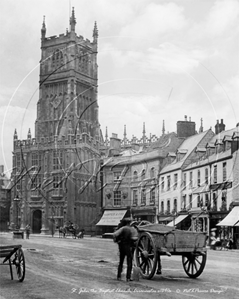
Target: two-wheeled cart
(13, 255)
(156, 240)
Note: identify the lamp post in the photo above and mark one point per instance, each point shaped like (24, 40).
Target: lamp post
(17, 200)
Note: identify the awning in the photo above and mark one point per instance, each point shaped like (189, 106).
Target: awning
(179, 219)
(111, 217)
(231, 219)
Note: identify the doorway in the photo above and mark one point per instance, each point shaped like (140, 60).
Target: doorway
(37, 221)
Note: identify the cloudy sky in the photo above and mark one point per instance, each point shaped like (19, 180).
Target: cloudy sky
(158, 60)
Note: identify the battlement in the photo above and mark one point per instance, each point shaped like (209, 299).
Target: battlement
(71, 141)
(62, 38)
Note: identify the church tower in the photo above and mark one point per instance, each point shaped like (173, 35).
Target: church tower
(56, 174)
(68, 84)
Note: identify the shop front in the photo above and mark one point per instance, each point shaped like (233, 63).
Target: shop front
(111, 219)
(144, 213)
(181, 221)
(229, 227)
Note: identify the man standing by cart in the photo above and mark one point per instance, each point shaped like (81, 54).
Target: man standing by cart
(126, 237)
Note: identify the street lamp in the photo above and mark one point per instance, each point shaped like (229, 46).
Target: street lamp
(17, 200)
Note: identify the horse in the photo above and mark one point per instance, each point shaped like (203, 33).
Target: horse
(71, 229)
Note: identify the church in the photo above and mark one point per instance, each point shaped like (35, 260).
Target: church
(56, 174)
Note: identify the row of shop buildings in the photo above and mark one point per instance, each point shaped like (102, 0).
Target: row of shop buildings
(192, 186)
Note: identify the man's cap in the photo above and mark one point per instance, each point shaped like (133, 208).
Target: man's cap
(214, 229)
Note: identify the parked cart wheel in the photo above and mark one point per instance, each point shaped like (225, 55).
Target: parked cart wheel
(19, 262)
(146, 255)
(194, 264)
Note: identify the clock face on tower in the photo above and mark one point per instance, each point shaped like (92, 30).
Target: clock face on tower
(56, 100)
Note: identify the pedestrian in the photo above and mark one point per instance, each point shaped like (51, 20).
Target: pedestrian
(28, 229)
(126, 237)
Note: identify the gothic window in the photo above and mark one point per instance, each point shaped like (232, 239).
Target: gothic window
(57, 186)
(34, 160)
(83, 63)
(57, 160)
(57, 59)
(35, 185)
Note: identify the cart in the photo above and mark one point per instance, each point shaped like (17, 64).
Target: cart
(13, 255)
(156, 240)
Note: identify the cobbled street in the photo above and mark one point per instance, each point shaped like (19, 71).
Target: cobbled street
(86, 268)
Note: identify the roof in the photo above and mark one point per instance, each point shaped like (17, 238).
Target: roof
(190, 144)
(131, 159)
(222, 134)
(210, 159)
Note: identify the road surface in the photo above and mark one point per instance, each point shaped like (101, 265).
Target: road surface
(58, 268)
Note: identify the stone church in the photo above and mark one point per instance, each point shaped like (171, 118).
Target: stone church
(56, 174)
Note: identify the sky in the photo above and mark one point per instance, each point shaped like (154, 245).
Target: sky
(157, 60)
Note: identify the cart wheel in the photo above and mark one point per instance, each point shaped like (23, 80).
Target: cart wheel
(194, 264)
(146, 255)
(19, 262)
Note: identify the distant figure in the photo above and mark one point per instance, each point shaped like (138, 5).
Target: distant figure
(126, 237)
(215, 242)
(81, 234)
(28, 229)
